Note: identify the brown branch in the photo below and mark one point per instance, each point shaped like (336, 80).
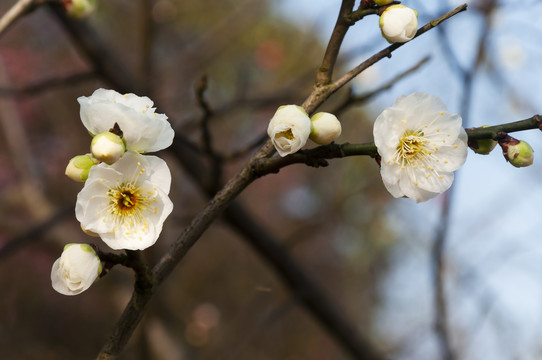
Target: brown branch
(35, 233)
(199, 89)
(388, 51)
(206, 138)
(257, 166)
(48, 84)
(133, 312)
(322, 92)
(441, 309)
(93, 48)
(317, 157)
(441, 322)
(325, 72)
(19, 9)
(360, 99)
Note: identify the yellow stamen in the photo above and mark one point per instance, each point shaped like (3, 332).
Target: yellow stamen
(287, 134)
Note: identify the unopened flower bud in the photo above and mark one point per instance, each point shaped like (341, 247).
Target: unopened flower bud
(107, 147)
(325, 128)
(79, 166)
(383, 2)
(518, 152)
(482, 146)
(398, 23)
(76, 269)
(78, 9)
(289, 129)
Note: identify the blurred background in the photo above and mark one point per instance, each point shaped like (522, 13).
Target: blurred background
(458, 277)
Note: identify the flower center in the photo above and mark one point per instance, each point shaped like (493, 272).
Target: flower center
(127, 203)
(287, 134)
(127, 200)
(412, 147)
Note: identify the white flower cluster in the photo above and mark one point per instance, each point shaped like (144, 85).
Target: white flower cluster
(125, 197)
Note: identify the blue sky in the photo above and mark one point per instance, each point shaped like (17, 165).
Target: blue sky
(494, 274)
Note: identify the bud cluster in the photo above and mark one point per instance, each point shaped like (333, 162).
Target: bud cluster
(120, 184)
(291, 127)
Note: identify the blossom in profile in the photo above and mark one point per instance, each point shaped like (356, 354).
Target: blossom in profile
(398, 23)
(289, 129)
(143, 129)
(420, 144)
(325, 128)
(76, 269)
(126, 203)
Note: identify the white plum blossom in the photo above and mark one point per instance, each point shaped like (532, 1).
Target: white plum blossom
(76, 269)
(420, 144)
(289, 129)
(325, 128)
(143, 129)
(126, 203)
(398, 23)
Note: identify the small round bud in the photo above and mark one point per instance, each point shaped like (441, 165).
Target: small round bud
(518, 152)
(78, 9)
(325, 128)
(383, 2)
(79, 166)
(482, 146)
(107, 147)
(398, 23)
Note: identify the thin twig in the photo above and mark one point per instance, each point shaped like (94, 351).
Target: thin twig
(321, 93)
(35, 233)
(325, 72)
(200, 88)
(92, 46)
(48, 84)
(216, 159)
(15, 12)
(318, 156)
(256, 143)
(441, 322)
(387, 51)
(360, 99)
